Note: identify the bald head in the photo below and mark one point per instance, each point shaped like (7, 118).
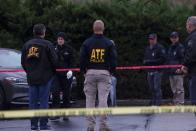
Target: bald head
(191, 24)
(98, 27)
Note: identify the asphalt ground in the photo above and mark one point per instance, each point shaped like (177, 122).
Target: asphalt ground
(141, 122)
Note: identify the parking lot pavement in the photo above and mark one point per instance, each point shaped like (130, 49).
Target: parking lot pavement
(151, 122)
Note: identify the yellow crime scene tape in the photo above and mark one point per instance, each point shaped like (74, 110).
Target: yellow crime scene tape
(95, 111)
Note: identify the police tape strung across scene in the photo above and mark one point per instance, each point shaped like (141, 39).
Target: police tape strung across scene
(118, 68)
(96, 111)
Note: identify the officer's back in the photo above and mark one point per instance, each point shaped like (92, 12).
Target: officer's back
(38, 60)
(98, 60)
(98, 48)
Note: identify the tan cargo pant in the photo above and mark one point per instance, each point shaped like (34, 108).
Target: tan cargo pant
(97, 80)
(176, 83)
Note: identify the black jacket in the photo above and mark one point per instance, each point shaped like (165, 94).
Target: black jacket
(98, 52)
(175, 56)
(190, 53)
(154, 56)
(65, 57)
(39, 60)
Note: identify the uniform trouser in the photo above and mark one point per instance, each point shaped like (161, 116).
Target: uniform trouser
(38, 99)
(61, 84)
(113, 91)
(192, 89)
(176, 83)
(154, 81)
(97, 80)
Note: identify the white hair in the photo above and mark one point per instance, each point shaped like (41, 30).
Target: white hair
(98, 26)
(192, 20)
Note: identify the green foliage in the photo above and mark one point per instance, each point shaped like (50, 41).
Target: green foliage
(127, 22)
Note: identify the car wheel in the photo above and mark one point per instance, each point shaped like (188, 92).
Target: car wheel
(2, 99)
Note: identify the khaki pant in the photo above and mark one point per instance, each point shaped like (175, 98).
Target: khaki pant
(176, 82)
(97, 80)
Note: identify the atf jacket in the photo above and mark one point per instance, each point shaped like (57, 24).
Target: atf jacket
(190, 53)
(65, 56)
(154, 56)
(175, 55)
(98, 52)
(39, 60)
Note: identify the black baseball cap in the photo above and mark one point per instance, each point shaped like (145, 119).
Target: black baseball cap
(62, 34)
(174, 34)
(152, 36)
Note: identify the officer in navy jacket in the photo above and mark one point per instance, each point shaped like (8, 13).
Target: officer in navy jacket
(154, 55)
(97, 61)
(175, 56)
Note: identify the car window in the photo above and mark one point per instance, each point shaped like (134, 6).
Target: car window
(10, 58)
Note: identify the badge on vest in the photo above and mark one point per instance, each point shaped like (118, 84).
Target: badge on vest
(66, 53)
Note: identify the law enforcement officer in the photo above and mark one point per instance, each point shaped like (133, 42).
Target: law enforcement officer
(39, 60)
(63, 80)
(175, 57)
(97, 62)
(112, 95)
(154, 55)
(189, 64)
